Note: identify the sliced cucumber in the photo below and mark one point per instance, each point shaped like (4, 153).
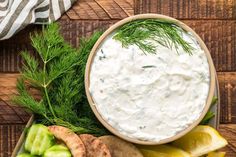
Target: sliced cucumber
(59, 147)
(38, 140)
(24, 155)
(57, 151)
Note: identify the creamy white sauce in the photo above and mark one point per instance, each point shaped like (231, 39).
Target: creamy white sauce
(149, 97)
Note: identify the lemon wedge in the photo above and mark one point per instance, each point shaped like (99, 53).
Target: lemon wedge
(201, 140)
(216, 154)
(162, 151)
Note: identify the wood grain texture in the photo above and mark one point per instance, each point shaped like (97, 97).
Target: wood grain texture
(10, 60)
(227, 81)
(9, 113)
(9, 135)
(73, 31)
(101, 9)
(229, 133)
(189, 9)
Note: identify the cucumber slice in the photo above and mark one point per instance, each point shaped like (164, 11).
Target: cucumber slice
(59, 147)
(46, 142)
(24, 155)
(57, 151)
(30, 137)
(38, 140)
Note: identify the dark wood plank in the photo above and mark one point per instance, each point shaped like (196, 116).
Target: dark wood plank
(228, 131)
(227, 81)
(101, 9)
(74, 30)
(10, 60)
(189, 9)
(9, 135)
(9, 113)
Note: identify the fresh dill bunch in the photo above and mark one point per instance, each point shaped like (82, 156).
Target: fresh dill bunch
(142, 32)
(58, 76)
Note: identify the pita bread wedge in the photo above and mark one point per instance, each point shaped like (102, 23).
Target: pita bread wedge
(119, 147)
(72, 141)
(94, 146)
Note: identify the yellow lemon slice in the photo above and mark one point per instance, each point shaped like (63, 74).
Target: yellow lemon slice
(216, 154)
(162, 151)
(201, 140)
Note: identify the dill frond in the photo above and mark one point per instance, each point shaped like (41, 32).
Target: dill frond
(60, 81)
(140, 32)
(26, 100)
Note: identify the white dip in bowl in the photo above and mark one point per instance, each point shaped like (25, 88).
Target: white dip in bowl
(149, 97)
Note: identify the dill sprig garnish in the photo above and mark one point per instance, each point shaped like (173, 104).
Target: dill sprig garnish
(144, 31)
(59, 77)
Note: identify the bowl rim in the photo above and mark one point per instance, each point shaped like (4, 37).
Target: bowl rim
(93, 53)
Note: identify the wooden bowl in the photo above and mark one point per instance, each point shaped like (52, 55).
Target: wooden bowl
(93, 53)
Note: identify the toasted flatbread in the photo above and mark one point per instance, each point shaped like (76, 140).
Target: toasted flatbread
(94, 146)
(119, 147)
(72, 141)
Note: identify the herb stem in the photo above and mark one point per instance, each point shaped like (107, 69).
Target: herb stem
(45, 116)
(49, 103)
(45, 87)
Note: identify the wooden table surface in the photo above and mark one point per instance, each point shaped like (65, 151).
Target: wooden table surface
(213, 20)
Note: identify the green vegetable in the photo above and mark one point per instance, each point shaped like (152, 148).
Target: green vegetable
(57, 151)
(25, 155)
(38, 139)
(140, 32)
(214, 100)
(209, 115)
(58, 75)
